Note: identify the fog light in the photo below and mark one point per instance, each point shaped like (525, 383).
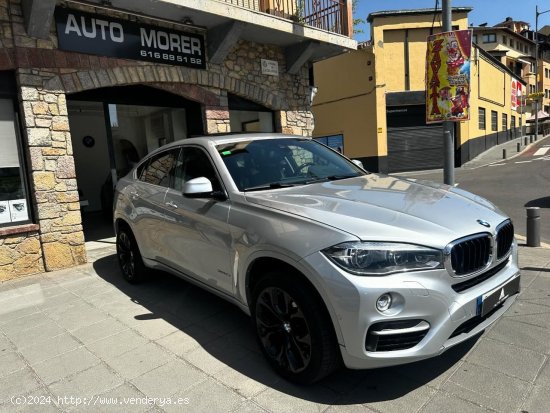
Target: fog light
(384, 302)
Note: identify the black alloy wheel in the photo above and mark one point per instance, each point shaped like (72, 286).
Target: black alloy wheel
(129, 258)
(293, 328)
(283, 330)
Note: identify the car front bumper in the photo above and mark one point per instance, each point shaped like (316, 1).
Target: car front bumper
(425, 297)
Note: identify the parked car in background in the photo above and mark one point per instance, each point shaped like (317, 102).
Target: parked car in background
(334, 264)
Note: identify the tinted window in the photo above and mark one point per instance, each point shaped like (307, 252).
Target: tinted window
(160, 168)
(194, 163)
(277, 162)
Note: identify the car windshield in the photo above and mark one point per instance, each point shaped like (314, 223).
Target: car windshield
(279, 163)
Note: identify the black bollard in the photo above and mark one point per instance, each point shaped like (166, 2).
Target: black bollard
(519, 146)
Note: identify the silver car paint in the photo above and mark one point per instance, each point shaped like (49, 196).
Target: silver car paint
(295, 224)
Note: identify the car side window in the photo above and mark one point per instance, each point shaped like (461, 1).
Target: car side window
(195, 163)
(160, 169)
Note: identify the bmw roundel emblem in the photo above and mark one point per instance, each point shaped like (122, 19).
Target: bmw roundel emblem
(484, 223)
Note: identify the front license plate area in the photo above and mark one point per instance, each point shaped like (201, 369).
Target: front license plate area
(487, 302)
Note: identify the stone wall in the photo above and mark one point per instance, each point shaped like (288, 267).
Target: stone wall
(53, 175)
(46, 75)
(20, 254)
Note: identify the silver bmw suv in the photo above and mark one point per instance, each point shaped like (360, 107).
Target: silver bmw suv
(334, 264)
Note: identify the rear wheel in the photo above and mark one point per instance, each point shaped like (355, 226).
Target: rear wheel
(129, 258)
(294, 329)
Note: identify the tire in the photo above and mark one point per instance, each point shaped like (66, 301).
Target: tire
(293, 328)
(129, 259)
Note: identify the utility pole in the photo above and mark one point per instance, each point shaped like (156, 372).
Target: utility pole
(537, 14)
(536, 71)
(448, 127)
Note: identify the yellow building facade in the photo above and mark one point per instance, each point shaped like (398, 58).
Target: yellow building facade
(374, 98)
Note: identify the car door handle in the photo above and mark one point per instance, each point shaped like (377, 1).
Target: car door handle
(172, 204)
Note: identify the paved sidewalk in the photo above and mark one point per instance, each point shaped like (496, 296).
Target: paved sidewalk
(85, 336)
(495, 154)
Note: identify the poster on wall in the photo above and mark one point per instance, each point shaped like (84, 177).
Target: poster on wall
(517, 92)
(4, 212)
(18, 210)
(448, 76)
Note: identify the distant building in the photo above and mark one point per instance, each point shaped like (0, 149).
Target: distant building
(517, 26)
(512, 49)
(543, 64)
(373, 99)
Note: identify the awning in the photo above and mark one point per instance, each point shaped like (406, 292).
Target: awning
(542, 116)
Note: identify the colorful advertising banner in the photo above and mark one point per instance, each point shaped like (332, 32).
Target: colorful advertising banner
(517, 92)
(448, 76)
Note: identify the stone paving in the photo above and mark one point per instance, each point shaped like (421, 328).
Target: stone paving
(84, 340)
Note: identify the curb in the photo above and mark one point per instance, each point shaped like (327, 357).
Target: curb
(543, 245)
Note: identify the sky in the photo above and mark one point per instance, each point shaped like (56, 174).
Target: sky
(484, 11)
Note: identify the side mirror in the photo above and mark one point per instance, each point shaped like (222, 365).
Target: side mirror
(201, 187)
(358, 163)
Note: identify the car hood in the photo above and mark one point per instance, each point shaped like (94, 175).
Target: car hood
(384, 208)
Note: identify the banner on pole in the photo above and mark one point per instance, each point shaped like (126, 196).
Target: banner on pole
(517, 94)
(448, 76)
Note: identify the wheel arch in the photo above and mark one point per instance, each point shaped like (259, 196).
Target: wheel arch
(262, 265)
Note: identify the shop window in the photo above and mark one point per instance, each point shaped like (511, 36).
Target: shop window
(504, 121)
(489, 38)
(494, 121)
(14, 203)
(335, 142)
(481, 116)
(248, 116)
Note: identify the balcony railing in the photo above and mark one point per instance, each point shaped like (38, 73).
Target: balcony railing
(330, 15)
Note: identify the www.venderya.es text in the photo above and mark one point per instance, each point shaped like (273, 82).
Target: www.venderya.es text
(99, 401)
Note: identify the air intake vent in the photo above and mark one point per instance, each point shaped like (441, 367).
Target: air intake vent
(471, 254)
(396, 335)
(505, 238)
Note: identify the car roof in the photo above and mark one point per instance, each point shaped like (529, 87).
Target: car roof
(218, 139)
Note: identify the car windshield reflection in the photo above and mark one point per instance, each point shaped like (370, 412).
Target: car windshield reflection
(281, 163)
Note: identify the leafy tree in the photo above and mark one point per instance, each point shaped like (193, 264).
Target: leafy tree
(356, 20)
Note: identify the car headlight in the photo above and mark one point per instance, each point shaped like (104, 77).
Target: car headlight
(383, 258)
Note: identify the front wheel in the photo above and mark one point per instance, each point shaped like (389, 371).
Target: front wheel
(294, 329)
(129, 258)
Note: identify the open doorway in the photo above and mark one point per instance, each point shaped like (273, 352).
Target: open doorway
(111, 130)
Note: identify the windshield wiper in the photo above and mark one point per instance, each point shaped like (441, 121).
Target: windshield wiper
(331, 178)
(273, 185)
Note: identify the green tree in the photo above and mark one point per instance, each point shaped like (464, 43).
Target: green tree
(356, 20)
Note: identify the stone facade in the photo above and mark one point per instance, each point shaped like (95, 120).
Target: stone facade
(20, 254)
(46, 75)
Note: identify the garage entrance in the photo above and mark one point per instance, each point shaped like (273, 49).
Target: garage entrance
(412, 144)
(111, 130)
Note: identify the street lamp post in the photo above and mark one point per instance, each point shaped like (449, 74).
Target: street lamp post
(537, 14)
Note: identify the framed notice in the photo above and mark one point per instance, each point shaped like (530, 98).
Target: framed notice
(18, 210)
(4, 212)
(270, 67)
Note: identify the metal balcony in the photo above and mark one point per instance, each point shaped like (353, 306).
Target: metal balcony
(330, 15)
